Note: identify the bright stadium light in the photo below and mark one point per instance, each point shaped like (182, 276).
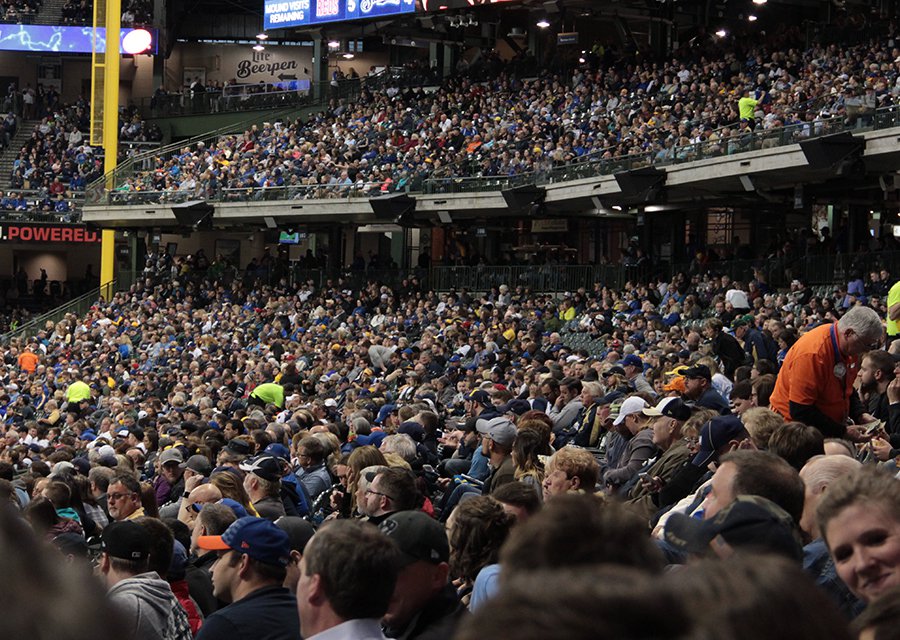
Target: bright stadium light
(258, 47)
(721, 33)
(262, 36)
(543, 23)
(752, 18)
(760, 1)
(334, 44)
(348, 56)
(137, 41)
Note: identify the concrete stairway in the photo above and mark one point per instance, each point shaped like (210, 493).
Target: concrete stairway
(8, 156)
(50, 12)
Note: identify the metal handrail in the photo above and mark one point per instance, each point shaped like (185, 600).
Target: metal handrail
(729, 145)
(96, 191)
(77, 305)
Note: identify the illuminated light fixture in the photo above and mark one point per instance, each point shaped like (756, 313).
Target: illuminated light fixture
(752, 18)
(543, 23)
(348, 56)
(258, 47)
(137, 41)
(721, 33)
(760, 1)
(581, 60)
(334, 44)
(262, 36)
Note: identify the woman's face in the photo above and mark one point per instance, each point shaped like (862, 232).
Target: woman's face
(865, 544)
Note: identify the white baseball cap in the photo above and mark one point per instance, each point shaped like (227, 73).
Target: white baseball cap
(632, 404)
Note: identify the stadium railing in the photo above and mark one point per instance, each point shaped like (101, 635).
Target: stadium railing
(78, 306)
(588, 166)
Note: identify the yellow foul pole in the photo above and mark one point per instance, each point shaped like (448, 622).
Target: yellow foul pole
(105, 116)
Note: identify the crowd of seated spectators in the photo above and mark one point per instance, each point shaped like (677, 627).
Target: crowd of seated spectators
(137, 13)
(133, 128)
(77, 12)
(57, 162)
(609, 107)
(47, 204)
(57, 158)
(19, 11)
(524, 478)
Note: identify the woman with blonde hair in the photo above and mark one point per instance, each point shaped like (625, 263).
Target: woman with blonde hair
(228, 483)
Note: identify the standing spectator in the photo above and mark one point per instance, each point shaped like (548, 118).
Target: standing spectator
(815, 385)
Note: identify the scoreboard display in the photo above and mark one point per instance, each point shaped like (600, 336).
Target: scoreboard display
(279, 14)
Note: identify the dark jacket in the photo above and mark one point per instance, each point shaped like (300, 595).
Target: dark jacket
(197, 575)
(729, 351)
(269, 613)
(437, 621)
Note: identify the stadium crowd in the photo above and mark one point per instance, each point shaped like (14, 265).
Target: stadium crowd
(612, 105)
(19, 11)
(236, 459)
(57, 162)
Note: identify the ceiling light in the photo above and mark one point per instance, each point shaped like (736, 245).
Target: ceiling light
(348, 56)
(334, 44)
(258, 47)
(721, 33)
(543, 23)
(752, 18)
(262, 36)
(760, 1)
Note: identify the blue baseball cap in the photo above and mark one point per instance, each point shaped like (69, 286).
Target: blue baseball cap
(235, 506)
(257, 537)
(715, 434)
(278, 450)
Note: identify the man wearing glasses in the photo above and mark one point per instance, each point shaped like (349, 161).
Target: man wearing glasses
(815, 384)
(124, 498)
(252, 561)
(389, 491)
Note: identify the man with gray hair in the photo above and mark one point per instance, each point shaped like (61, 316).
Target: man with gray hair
(816, 382)
(817, 474)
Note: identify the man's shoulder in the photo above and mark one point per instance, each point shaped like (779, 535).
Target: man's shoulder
(249, 614)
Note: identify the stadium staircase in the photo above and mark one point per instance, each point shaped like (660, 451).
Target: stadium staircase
(8, 156)
(50, 13)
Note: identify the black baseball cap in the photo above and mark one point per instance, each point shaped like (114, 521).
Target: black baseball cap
(750, 522)
(265, 466)
(418, 536)
(697, 371)
(126, 540)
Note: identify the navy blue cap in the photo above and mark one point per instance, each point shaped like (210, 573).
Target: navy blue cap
(516, 406)
(278, 450)
(235, 506)
(715, 434)
(632, 360)
(413, 429)
(257, 537)
(481, 397)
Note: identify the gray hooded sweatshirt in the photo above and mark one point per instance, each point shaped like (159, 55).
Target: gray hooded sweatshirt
(150, 608)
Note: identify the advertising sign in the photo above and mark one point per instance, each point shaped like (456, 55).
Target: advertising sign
(279, 14)
(45, 39)
(44, 233)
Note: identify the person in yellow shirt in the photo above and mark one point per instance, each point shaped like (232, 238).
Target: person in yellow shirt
(747, 106)
(893, 314)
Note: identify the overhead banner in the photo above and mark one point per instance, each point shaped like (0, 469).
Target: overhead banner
(44, 233)
(45, 39)
(278, 14)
